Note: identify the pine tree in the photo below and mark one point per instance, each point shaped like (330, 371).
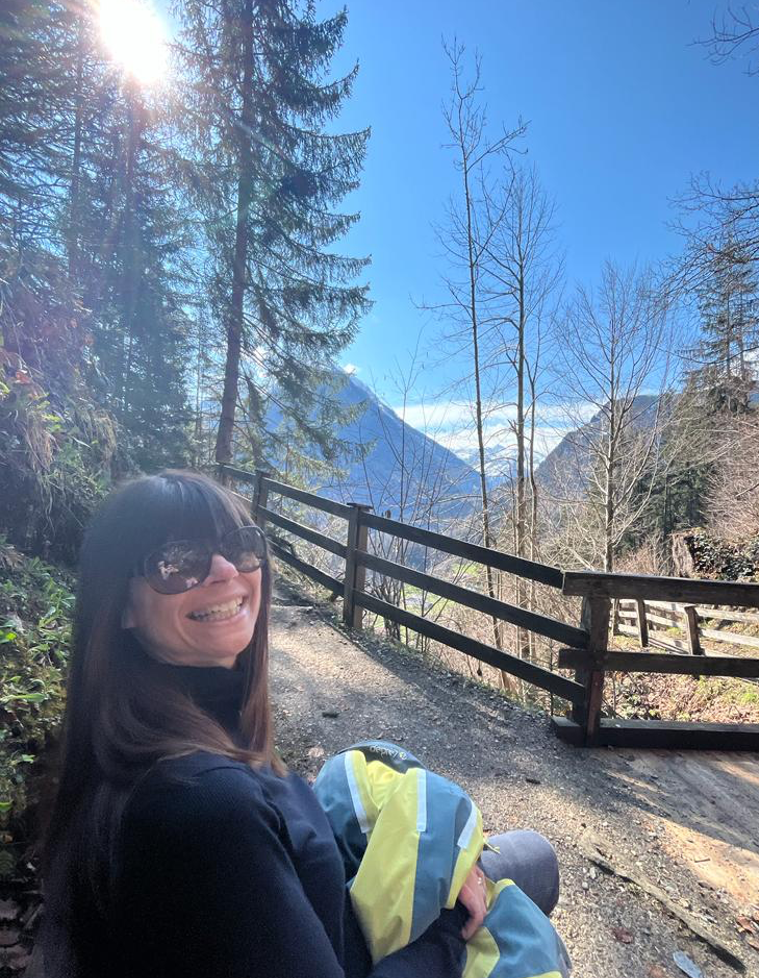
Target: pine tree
(132, 266)
(266, 176)
(34, 40)
(726, 352)
(87, 188)
(40, 312)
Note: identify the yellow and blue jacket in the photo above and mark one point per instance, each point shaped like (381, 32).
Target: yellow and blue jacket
(409, 838)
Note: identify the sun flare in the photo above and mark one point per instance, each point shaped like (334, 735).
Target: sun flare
(134, 36)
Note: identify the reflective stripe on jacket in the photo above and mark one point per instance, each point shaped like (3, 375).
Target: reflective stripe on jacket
(409, 838)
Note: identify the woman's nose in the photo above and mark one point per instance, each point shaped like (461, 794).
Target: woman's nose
(221, 570)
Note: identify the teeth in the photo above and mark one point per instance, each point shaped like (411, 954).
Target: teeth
(216, 613)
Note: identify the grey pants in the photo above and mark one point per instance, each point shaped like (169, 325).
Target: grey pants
(529, 860)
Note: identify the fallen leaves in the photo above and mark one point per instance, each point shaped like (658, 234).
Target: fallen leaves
(622, 935)
(747, 926)
(744, 924)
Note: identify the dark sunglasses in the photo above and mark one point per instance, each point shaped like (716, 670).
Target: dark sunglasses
(181, 565)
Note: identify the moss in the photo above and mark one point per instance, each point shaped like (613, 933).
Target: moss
(746, 697)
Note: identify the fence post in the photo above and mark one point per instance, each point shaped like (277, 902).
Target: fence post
(692, 630)
(615, 616)
(641, 616)
(595, 619)
(260, 496)
(353, 582)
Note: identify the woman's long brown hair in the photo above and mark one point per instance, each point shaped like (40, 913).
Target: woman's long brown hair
(122, 713)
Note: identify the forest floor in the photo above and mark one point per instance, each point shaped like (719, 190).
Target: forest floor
(657, 849)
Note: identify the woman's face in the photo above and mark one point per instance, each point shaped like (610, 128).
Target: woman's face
(209, 625)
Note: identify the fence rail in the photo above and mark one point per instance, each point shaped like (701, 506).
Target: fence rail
(607, 599)
(597, 584)
(537, 675)
(335, 585)
(543, 573)
(632, 662)
(310, 499)
(541, 624)
(301, 530)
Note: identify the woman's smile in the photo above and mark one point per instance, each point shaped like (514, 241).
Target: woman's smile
(221, 612)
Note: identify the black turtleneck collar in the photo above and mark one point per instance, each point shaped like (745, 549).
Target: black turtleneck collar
(215, 689)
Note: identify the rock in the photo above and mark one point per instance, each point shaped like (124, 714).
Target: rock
(686, 966)
(744, 924)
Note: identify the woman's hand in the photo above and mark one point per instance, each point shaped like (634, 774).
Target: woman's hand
(473, 897)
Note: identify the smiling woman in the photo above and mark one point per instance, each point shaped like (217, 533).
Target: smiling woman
(179, 845)
(134, 36)
(146, 644)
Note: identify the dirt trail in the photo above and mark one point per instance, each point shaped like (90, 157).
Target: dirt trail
(655, 848)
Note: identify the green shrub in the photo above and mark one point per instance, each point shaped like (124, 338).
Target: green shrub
(55, 463)
(36, 605)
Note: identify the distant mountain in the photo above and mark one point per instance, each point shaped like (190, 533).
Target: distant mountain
(402, 470)
(402, 467)
(500, 459)
(564, 471)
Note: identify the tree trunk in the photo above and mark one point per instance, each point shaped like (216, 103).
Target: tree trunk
(73, 236)
(135, 120)
(240, 261)
(533, 533)
(487, 542)
(609, 485)
(523, 642)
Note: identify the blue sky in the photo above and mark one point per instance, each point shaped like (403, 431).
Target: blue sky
(622, 109)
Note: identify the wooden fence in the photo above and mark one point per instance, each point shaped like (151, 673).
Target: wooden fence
(599, 590)
(653, 624)
(585, 647)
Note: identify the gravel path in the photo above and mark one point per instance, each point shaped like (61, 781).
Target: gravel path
(603, 810)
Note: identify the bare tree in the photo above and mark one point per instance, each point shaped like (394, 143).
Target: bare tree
(614, 363)
(720, 230)
(732, 504)
(734, 35)
(419, 490)
(466, 238)
(524, 273)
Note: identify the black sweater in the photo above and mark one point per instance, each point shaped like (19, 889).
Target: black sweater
(226, 871)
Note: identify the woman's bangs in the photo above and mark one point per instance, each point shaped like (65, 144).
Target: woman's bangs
(153, 510)
(199, 509)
